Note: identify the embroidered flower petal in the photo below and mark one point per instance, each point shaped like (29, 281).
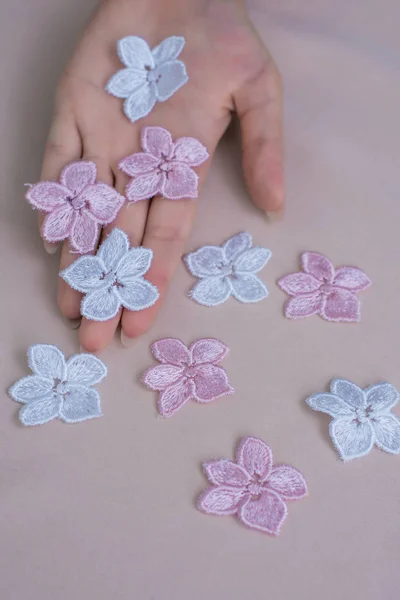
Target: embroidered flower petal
(104, 202)
(225, 472)
(381, 397)
(160, 377)
(330, 404)
(57, 225)
(211, 291)
(47, 195)
(171, 350)
(141, 162)
(135, 263)
(387, 433)
(40, 411)
(351, 278)
(169, 49)
(236, 245)
(77, 175)
(318, 265)
(157, 141)
(138, 294)
(299, 283)
(81, 403)
(114, 247)
(144, 186)
(351, 438)
(267, 513)
(252, 260)
(100, 305)
(190, 151)
(135, 52)
(206, 261)
(341, 305)
(84, 234)
(30, 388)
(349, 392)
(302, 306)
(288, 482)
(85, 369)
(47, 361)
(255, 457)
(221, 500)
(125, 82)
(208, 351)
(248, 288)
(210, 383)
(174, 397)
(180, 182)
(85, 274)
(172, 76)
(141, 102)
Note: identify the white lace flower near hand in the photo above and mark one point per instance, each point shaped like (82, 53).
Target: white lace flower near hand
(228, 270)
(58, 388)
(150, 75)
(112, 279)
(361, 418)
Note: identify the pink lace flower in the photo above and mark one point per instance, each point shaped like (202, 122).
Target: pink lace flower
(165, 167)
(186, 374)
(321, 290)
(251, 487)
(76, 207)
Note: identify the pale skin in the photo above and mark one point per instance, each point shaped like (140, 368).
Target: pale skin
(230, 70)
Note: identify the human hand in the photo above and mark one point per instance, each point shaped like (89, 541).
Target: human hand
(229, 71)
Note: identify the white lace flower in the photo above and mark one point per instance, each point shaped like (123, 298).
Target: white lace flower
(150, 75)
(58, 388)
(228, 270)
(112, 279)
(361, 418)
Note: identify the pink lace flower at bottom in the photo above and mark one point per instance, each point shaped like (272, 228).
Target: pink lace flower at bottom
(320, 289)
(187, 373)
(252, 488)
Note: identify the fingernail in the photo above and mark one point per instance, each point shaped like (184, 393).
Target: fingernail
(126, 341)
(72, 323)
(50, 248)
(274, 215)
(82, 349)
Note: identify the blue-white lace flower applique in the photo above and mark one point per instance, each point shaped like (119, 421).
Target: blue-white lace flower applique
(112, 279)
(58, 388)
(361, 418)
(150, 76)
(228, 270)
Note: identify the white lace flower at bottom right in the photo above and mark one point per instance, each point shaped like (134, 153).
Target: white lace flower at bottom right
(361, 417)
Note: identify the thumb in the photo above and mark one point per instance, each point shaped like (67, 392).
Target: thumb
(258, 104)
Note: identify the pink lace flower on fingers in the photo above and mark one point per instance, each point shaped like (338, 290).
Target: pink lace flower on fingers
(251, 487)
(320, 289)
(187, 373)
(164, 167)
(76, 207)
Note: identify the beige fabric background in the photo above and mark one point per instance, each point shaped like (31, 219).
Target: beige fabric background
(105, 509)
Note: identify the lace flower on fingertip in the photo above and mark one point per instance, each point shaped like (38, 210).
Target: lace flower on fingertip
(150, 76)
(228, 270)
(58, 388)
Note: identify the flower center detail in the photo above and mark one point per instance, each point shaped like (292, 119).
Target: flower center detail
(110, 280)
(190, 372)
(165, 166)
(327, 288)
(60, 388)
(363, 414)
(255, 487)
(77, 202)
(152, 75)
(227, 269)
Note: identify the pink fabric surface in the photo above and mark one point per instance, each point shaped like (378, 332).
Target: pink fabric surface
(107, 509)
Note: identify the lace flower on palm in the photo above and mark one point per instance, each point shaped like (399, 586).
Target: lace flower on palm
(164, 167)
(76, 207)
(228, 270)
(187, 373)
(252, 488)
(112, 279)
(150, 76)
(361, 418)
(58, 388)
